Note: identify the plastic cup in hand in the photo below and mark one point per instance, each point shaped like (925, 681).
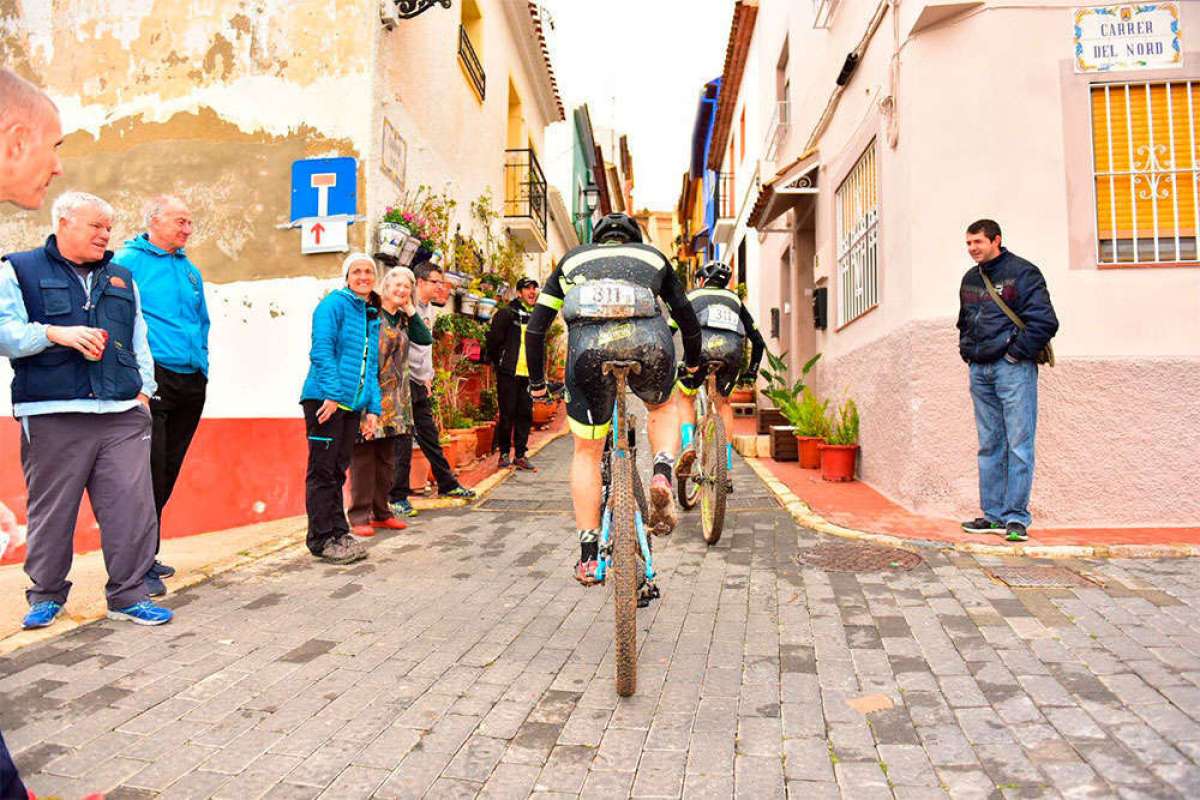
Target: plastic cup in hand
(103, 344)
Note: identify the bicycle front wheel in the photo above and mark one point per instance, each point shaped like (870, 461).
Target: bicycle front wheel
(713, 473)
(623, 577)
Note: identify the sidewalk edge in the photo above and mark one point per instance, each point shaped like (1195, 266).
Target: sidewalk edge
(805, 516)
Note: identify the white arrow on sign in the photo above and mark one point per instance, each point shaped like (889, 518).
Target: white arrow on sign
(323, 182)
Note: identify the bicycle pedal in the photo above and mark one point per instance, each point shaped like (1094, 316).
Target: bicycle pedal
(647, 594)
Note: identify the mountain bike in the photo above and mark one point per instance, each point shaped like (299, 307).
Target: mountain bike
(624, 546)
(706, 481)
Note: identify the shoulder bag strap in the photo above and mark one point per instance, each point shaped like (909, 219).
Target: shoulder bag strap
(1008, 312)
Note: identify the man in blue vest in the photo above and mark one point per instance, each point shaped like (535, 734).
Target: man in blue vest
(71, 322)
(172, 293)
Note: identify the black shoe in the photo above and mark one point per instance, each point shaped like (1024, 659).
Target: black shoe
(523, 463)
(154, 585)
(161, 570)
(1016, 532)
(504, 462)
(983, 525)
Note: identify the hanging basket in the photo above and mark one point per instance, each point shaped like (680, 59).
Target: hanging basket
(390, 239)
(485, 308)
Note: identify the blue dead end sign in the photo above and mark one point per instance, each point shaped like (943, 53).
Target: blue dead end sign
(324, 187)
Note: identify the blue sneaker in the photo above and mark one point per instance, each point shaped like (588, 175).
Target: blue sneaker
(143, 613)
(161, 570)
(402, 508)
(154, 585)
(41, 614)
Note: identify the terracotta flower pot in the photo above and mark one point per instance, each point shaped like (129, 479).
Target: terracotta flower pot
(466, 439)
(809, 452)
(837, 461)
(418, 475)
(450, 451)
(544, 412)
(484, 434)
(741, 396)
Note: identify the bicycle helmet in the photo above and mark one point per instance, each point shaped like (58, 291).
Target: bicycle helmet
(617, 228)
(716, 273)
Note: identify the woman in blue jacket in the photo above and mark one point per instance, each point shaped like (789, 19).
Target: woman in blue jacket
(340, 398)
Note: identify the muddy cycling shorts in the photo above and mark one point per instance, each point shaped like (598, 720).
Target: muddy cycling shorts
(590, 393)
(717, 345)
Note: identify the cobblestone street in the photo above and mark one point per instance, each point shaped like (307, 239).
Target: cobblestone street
(462, 660)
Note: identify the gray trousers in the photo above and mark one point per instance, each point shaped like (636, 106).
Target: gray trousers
(109, 455)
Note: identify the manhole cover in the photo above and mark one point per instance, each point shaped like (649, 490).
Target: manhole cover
(855, 557)
(1041, 578)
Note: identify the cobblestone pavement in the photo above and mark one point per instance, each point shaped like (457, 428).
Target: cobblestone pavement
(462, 660)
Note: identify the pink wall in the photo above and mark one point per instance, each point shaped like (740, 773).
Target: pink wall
(1117, 442)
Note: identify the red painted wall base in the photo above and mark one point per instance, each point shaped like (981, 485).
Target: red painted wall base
(237, 472)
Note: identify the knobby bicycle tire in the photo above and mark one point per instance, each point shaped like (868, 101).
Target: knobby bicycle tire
(712, 490)
(624, 576)
(688, 489)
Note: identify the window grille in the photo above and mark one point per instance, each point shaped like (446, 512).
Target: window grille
(857, 205)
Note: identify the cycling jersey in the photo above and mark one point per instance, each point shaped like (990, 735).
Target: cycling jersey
(609, 294)
(725, 323)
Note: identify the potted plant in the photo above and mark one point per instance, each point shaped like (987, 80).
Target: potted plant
(462, 430)
(488, 408)
(841, 450)
(811, 427)
(543, 412)
(786, 397)
(449, 448)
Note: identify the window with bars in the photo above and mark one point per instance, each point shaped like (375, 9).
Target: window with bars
(857, 203)
(1146, 164)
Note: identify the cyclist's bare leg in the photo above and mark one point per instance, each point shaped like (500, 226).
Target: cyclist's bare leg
(586, 483)
(662, 426)
(586, 491)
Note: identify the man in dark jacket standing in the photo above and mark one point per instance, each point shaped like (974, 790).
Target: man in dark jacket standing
(1003, 358)
(506, 350)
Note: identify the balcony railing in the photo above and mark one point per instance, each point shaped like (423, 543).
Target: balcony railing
(525, 187)
(725, 201)
(470, 60)
(777, 131)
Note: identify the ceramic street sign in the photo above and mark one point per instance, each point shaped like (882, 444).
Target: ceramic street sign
(1128, 37)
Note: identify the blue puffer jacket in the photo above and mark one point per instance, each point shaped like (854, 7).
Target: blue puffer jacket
(344, 359)
(985, 333)
(172, 291)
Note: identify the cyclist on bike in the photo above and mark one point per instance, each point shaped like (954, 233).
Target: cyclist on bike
(725, 324)
(609, 292)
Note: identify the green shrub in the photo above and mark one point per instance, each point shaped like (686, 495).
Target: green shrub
(843, 427)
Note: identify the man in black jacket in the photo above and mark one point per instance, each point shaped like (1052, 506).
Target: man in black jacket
(1002, 357)
(506, 350)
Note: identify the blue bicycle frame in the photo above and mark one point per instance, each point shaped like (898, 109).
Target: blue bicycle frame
(619, 451)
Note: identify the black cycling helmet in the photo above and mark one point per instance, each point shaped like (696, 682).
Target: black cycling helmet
(716, 273)
(617, 227)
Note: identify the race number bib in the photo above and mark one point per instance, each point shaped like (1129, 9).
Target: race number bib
(722, 318)
(607, 300)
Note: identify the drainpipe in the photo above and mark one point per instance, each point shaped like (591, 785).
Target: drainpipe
(848, 67)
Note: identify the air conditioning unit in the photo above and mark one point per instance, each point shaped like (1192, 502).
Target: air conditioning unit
(387, 14)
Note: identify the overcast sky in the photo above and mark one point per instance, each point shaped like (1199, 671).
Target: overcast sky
(652, 56)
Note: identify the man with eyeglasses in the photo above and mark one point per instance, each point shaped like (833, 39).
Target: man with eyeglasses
(429, 292)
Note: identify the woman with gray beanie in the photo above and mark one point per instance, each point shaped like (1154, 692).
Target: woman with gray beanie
(340, 399)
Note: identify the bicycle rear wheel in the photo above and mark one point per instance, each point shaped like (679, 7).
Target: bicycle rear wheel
(713, 473)
(624, 577)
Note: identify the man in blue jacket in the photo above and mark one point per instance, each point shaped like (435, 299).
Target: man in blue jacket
(71, 322)
(177, 318)
(1002, 357)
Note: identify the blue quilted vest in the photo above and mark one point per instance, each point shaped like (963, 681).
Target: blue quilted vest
(54, 295)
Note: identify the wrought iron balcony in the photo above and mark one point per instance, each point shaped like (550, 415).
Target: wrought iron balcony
(525, 198)
(470, 62)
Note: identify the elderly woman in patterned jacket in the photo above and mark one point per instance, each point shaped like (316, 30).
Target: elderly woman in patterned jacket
(373, 466)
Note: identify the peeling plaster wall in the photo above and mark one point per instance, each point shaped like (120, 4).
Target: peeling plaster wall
(212, 100)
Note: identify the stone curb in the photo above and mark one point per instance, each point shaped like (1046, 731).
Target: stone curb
(805, 516)
(64, 624)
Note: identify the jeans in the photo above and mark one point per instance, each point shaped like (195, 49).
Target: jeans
(1005, 398)
(176, 410)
